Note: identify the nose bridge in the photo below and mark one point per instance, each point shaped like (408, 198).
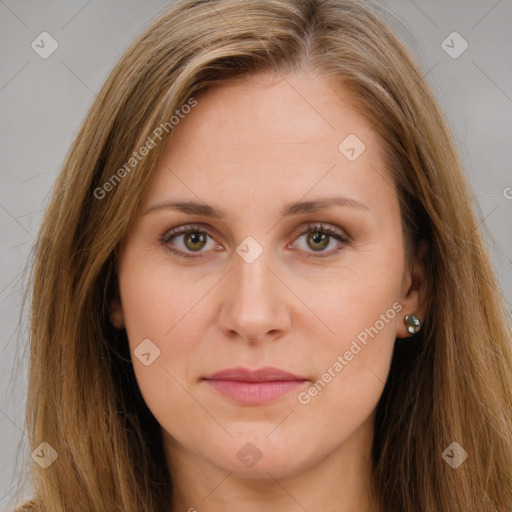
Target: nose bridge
(252, 279)
(254, 302)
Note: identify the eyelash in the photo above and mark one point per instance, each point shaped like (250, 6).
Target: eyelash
(195, 228)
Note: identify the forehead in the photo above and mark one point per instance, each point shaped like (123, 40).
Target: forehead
(268, 136)
(269, 113)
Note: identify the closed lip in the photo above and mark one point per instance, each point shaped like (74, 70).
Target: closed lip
(267, 374)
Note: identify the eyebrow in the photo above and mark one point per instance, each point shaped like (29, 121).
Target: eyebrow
(296, 208)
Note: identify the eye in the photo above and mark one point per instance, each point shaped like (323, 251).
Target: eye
(319, 237)
(187, 238)
(193, 238)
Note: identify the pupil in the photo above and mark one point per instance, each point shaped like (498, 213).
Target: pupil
(318, 238)
(195, 238)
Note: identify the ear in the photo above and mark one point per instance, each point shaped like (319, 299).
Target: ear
(116, 313)
(414, 293)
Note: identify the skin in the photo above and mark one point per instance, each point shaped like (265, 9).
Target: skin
(249, 148)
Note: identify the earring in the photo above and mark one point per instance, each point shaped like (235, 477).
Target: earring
(413, 324)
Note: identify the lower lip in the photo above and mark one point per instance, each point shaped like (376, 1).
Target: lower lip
(254, 393)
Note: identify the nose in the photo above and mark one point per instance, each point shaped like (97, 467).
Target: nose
(254, 306)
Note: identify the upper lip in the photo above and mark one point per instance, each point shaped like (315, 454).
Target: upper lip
(266, 374)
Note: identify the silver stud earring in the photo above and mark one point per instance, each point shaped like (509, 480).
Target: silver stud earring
(413, 323)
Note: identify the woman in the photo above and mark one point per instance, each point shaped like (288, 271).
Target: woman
(260, 284)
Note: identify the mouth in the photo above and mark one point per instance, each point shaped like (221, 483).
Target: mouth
(254, 387)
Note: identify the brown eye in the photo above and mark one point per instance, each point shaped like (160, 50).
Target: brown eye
(318, 237)
(318, 241)
(187, 240)
(195, 241)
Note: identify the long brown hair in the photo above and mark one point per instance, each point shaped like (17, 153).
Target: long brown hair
(454, 384)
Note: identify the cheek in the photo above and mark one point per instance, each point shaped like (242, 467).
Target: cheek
(154, 301)
(361, 309)
(364, 292)
(160, 308)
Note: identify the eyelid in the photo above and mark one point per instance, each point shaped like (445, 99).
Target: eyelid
(331, 230)
(324, 227)
(183, 230)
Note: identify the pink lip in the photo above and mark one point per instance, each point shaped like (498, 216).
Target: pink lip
(254, 387)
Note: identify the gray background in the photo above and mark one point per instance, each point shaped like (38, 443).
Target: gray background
(43, 101)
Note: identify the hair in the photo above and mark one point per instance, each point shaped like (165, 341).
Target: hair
(452, 384)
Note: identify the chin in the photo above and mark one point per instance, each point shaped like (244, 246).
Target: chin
(255, 455)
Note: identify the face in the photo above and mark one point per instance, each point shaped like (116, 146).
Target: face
(286, 256)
